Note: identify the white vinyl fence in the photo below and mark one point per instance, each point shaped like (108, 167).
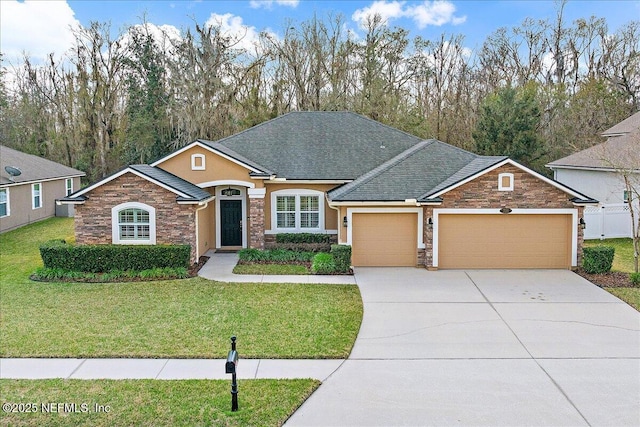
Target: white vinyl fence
(607, 221)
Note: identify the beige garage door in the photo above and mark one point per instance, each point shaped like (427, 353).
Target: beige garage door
(504, 241)
(384, 239)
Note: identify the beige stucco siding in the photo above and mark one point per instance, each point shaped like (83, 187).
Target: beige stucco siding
(217, 168)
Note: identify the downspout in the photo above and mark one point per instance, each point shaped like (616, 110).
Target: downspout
(197, 229)
(339, 225)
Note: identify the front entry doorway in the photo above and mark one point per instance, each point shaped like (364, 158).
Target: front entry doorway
(231, 222)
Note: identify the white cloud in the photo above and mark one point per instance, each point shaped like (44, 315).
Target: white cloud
(232, 26)
(437, 12)
(268, 4)
(37, 28)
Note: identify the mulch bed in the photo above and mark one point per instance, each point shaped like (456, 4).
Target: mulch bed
(612, 279)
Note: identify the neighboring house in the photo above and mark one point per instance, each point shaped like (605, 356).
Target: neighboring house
(30, 193)
(596, 171)
(396, 199)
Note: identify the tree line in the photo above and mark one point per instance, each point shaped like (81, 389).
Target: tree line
(535, 92)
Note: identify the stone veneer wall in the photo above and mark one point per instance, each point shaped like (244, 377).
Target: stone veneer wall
(175, 224)
(529, 193)
(256, 223)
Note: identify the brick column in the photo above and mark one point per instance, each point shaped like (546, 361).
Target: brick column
(256, 217)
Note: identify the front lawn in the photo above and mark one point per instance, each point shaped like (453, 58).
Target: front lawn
(622, 262)
(150, 402)
(191, 318)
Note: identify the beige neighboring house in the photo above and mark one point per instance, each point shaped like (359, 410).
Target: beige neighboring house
(597, 172)
(30, 186)
(397, 199)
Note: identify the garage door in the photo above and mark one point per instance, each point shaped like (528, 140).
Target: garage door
(388, 239)
(504, 241)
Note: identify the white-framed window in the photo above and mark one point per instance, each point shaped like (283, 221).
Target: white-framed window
(4, 202)
(505, 182)
(626, 196)
(297, 210)
(133, 224)
(68, 185)
(198, 162)
(36, 195)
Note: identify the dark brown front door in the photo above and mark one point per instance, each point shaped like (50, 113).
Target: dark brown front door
(231, 222)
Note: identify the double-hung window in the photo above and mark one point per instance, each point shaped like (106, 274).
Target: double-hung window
(4, 202)
(36, 195)
(68, 183)
(298, 211)
(133, 223)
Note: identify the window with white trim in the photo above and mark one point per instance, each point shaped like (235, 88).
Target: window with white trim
(4, 202)
(68, 184)
(198, 162)
(505, 182)
(297, 210)
(36, 195)
(133, 223)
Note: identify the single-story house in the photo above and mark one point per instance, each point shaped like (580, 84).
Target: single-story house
(597, 172)
(396, 199)
(29, 187)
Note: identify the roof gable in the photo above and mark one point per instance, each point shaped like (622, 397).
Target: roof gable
(185, 191)
(319, 145)
(33, 168)
(626, 126)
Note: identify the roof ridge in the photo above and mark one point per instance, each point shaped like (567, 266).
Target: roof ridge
(363, 179)
(136, 168)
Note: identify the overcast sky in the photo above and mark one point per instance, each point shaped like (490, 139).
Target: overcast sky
(42, 27)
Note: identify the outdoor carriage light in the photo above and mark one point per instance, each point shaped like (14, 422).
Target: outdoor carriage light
(430, 223)
(345, 222)
(582, 224)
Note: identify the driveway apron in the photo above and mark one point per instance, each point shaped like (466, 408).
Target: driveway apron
(484, 347)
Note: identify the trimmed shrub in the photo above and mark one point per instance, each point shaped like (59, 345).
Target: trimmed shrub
(303, 238)
(598, 259)
(323, 264)
(635, 279)
(105, 258)
(342, 257)
(274, 256)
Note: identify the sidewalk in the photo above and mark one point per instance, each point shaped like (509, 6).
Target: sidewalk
(165, 369)
(220, 268)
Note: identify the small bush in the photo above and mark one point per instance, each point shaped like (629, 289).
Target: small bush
(342, 257)
(275, 256)
(635, 279)
(303, 238)
(323, 264)
(106, 258)
(598, 259)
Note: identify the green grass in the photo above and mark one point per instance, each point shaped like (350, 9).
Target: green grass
(154, 402)
(623, 258)
(271, 269)
(191, 318)
(629, 295)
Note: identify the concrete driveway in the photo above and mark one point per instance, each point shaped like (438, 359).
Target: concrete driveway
(484, 348)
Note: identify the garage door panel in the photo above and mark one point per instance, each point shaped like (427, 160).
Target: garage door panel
(504, 241)
(384, 239)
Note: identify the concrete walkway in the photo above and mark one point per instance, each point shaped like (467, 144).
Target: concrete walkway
(164, 369)
(484, 348)
(220, 268)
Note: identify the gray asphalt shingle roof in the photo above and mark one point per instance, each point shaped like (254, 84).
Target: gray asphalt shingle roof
(193, 192)
(319, 145)
(33, 168)
(628, 125)
(415, 173)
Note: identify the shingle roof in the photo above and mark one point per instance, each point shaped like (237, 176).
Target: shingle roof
(415, 173)
(33, 168)
(185, 191)
(626, 126)
(320, 145)
(616, 152)
(192, 191)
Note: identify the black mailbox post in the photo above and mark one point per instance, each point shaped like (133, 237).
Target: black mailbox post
(230, 368)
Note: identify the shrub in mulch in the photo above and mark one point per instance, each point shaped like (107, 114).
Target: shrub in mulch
(611, 279)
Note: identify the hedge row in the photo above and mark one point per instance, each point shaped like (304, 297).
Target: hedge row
(303, 238)
(338, 261)
(276, 256)
(57, 254)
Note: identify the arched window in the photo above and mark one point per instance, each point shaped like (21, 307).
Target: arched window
(133, 223)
